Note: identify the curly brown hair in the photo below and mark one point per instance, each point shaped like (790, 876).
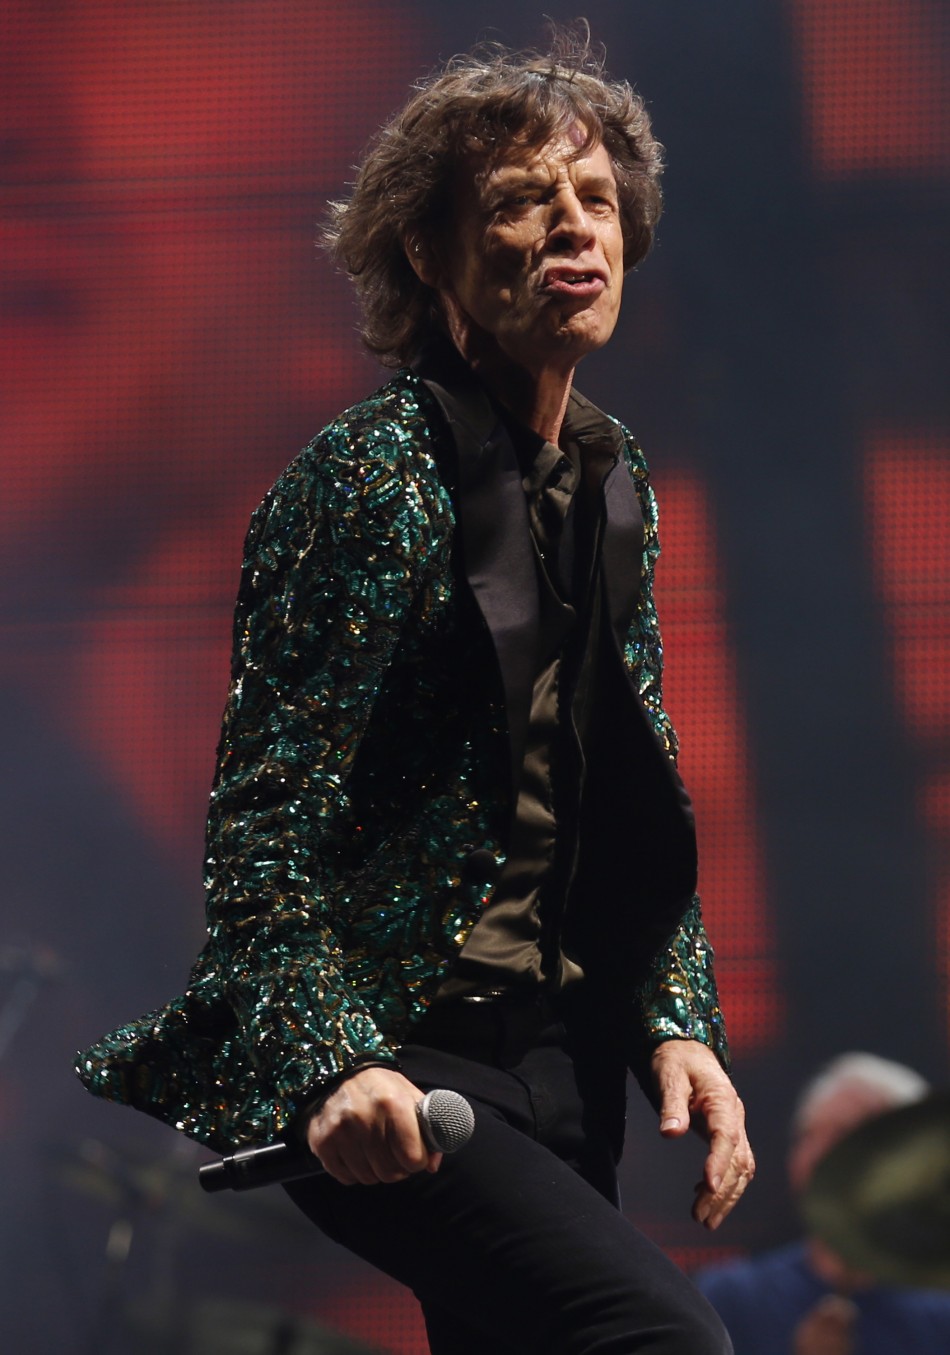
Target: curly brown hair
(470, 112)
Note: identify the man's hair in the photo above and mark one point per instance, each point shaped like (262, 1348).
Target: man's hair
(469, 114)
(896, 1084)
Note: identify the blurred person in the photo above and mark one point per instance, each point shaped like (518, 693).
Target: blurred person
(448, 845)
(802, 1299)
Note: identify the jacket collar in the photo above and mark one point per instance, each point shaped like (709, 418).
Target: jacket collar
(497, 556)
(622, 542)
(496, 551)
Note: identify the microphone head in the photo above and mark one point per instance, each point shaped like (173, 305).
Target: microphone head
(446, 1119)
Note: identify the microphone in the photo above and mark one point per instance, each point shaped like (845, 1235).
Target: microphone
(445, 1118)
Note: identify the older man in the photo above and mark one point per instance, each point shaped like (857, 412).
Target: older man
(803, 1299)
(448, 845)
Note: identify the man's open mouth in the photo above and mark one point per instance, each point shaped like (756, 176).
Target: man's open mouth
(573, 282)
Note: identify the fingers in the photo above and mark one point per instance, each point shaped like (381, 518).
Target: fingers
(827, 1329)
(714, 1204)
(693, 1087)
(351, 1167)
(730, 1165)
(367, 1132)
(675, 1091)
(403, 1136)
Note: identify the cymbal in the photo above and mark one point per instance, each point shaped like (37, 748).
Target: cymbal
(880, 1199)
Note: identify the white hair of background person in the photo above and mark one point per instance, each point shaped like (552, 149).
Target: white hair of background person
(897, 1084)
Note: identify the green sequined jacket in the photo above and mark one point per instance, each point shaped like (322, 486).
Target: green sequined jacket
(364, 783)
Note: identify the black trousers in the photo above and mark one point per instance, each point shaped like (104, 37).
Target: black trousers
(516, 1245)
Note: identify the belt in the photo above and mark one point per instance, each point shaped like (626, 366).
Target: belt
(496, 1026)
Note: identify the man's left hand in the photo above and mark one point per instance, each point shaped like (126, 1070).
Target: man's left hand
(695, 1090)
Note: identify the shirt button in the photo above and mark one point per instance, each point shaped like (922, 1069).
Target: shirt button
(480, 867)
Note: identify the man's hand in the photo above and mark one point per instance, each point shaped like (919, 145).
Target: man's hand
(694, 1090)
(367, 1131)
(828, 1329)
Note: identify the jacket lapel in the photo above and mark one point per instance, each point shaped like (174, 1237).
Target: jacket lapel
(622, 549)
(497, 556)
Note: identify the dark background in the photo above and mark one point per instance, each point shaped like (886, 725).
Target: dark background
(170, 337)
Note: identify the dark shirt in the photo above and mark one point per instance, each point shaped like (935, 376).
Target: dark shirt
(518, 940)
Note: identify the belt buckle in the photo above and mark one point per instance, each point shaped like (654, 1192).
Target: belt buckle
(489, 996)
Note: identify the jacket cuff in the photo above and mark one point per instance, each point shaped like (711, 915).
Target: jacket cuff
(326, 1089)
(679, 1001)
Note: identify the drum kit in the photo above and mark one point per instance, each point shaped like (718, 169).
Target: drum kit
(159, 1201)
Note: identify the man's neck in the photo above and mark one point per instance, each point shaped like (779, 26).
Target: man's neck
(537, 400)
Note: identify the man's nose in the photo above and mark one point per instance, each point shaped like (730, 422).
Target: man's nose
(571, 225)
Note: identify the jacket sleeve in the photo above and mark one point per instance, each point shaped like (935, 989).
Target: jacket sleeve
(329, 576)
(679, 999)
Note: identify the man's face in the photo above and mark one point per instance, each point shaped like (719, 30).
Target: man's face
(537, 259)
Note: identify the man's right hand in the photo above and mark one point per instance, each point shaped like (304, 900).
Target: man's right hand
(367, 1132)
(828, 1329)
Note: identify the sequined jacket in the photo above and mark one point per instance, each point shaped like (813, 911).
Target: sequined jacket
(380, 692)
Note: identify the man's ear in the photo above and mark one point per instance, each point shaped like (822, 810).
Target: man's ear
(422, 261)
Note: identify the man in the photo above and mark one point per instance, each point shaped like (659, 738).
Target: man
(447, 842)
(803, 1299)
